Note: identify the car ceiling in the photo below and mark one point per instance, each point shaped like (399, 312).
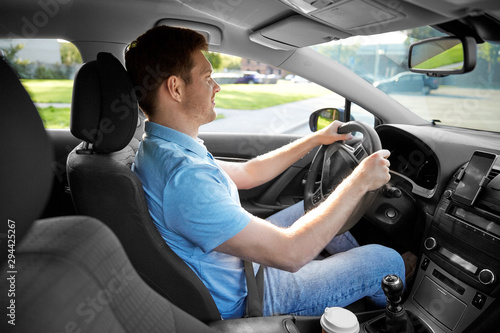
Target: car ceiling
(120, 21)
(255, 29)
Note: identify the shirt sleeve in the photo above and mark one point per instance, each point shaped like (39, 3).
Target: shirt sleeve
(198, 205)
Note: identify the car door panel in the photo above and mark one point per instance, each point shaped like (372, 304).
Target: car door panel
(281, 192)
(263, 200)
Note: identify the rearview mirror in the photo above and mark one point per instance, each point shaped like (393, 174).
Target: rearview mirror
(443, 56)
(321, 118)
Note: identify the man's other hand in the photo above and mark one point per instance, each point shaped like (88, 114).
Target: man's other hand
(373, 171)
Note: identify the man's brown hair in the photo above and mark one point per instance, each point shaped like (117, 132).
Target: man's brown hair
(158, 54)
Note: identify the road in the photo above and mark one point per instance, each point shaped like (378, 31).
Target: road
(290, 118)
(463, 107)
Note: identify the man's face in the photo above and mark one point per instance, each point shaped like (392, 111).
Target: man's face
(200, 94)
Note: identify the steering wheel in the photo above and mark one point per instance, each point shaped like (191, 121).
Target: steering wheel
(332, 163)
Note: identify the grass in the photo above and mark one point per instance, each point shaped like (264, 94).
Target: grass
(259, 96)
(55, 117)
(232, 96)
(49, 91)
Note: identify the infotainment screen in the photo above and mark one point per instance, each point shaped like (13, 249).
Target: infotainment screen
(475, 174)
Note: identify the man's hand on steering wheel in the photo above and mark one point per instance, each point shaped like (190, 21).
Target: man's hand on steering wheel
(329, 135)
(334, 161)
(373, 171)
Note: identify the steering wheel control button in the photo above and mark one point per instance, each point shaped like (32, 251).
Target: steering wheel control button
(479, 300)
(391, 213)
(360, 152)
(391, 191)
(430, 243)
(486, 276)
(316, 197)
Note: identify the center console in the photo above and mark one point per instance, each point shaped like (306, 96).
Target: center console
(458, 276)
(459, 273)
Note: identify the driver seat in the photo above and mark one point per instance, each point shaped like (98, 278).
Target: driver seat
(63, 273)
(105, 115)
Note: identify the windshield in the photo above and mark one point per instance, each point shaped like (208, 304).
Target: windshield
(469, 100)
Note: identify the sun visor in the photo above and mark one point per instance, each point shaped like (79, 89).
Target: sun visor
(212, 33)
(295, 32)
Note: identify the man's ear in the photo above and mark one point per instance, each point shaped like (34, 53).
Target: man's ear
(174, 86)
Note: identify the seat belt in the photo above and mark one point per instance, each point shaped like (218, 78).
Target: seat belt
(255, 286)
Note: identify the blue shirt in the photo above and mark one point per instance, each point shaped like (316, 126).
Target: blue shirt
(195, 206)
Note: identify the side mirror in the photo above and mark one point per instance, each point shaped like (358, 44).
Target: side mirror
(443, 56)
(321, 118)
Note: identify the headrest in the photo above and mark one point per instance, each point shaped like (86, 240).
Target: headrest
(27, 155)
(104, 107)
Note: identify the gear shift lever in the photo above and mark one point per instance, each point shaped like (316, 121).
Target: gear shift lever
(393, 289)
(396, 318)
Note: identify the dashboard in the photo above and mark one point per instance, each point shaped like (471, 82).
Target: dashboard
(459, 241)
(412, 160)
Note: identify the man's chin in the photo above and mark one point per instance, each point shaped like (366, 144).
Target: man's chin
(214, 115)
(212, 118)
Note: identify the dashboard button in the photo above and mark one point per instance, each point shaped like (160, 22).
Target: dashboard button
(391, 213)
(425, 264)
(430, 243)
(486, 276)
(479, 300)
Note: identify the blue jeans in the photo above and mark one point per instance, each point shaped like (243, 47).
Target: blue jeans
(351, 273)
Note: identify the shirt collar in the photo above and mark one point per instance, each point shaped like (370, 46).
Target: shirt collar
(182, 139)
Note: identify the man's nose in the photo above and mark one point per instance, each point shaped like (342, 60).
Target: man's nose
(217, 88)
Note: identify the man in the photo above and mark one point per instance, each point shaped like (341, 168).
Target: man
(194, 201)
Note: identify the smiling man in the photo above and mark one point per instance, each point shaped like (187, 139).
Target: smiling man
(193, 198)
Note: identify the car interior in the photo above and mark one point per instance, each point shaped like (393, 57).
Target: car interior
(80, 252)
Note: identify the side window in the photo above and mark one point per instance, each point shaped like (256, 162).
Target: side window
(46, 68)
(360, 114)
(258, 98)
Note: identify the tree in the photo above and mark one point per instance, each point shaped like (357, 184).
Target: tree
(54, 72)
(69, 54)
(423, 33)
(230, 62)
(22, 67)
(420, 33)
(344, 54)
(491, 53)
(214, 58)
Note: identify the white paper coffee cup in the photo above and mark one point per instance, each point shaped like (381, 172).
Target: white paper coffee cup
(339, 320)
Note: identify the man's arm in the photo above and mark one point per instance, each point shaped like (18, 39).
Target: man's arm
(263, 168)
(291, 248)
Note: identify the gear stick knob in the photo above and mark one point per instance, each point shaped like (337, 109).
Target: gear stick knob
(396, 318)
(392, 285)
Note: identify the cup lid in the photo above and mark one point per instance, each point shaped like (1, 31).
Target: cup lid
(339, 320)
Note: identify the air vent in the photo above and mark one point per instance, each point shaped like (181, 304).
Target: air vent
(493, 173)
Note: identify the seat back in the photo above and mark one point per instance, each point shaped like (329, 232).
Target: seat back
(104, 115)
(64, 274)
(25, 189)
(75, 277)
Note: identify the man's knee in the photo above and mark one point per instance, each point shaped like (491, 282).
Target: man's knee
(389, 258)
